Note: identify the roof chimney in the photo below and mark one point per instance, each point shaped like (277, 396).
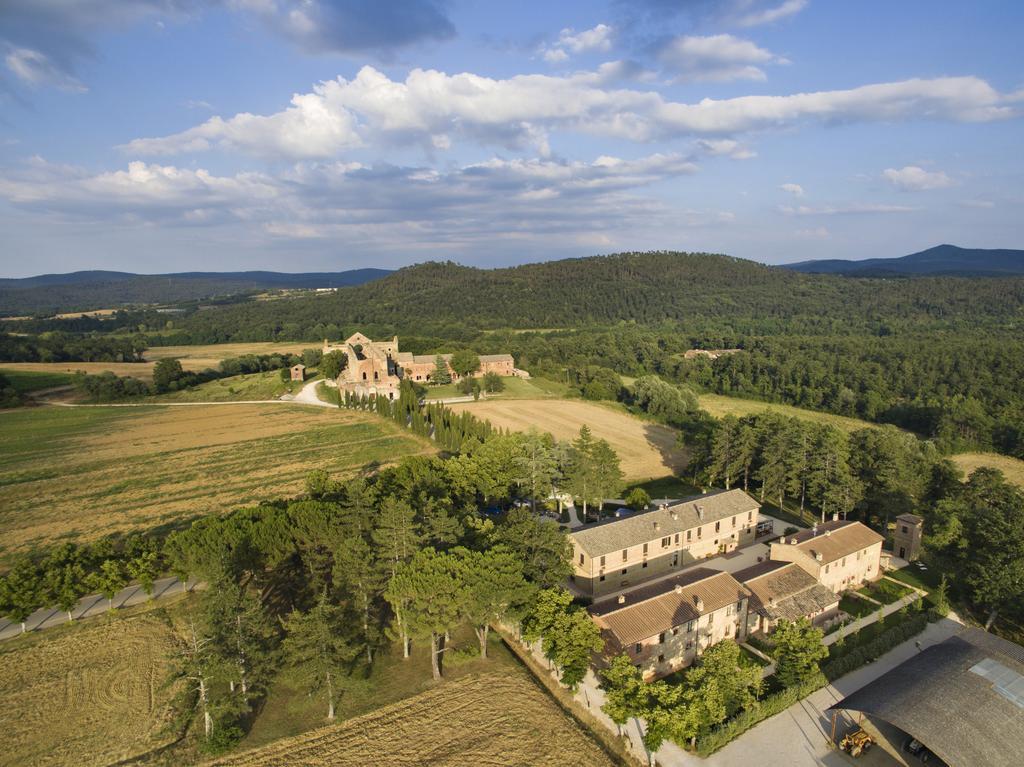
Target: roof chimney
(814, 530)
(699, 603)
(700, 511)
(793, 540)
(828, 532)
(657, 525)
(771, 601)
(678, 589)
(675, 514)
(622, 599)
(818, 556)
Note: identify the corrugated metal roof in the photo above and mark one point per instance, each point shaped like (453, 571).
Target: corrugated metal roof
(834, 540)
(955, 713)
(612, 535)
(658, 607)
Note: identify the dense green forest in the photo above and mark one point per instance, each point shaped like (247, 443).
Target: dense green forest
(941, 356)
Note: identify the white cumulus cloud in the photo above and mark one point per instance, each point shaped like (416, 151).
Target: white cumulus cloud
(912, 178)
(794, 189)
(522, 110)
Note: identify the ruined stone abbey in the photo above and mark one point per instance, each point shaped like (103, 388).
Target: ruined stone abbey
(377, 367)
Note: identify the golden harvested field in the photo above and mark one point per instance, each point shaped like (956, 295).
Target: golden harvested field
(646, 449)
(1012, 468)
(91, 471)
(720, 405)
(140, 370)
(486, 720)
(192, 358)
(90, 696)
(201, 357)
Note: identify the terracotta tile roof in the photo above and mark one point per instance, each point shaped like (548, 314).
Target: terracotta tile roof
(785, 590)
(650, 610)
(614, 534)
(833, 540)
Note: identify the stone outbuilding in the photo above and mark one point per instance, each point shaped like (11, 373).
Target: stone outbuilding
(906, 539)
(298, 372)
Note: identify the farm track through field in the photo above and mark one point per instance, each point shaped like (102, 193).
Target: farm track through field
(487, 720)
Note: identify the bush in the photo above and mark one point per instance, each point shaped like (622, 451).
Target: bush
(222, 739)
(767, 707)
(865, 653)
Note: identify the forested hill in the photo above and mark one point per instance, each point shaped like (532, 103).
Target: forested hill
(82, 291)
(942, 259)
(707, 293)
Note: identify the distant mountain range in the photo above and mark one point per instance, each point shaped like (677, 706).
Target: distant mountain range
(81, 291)
(940, 260)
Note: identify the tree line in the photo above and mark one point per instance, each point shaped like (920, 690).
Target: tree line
(66, 347)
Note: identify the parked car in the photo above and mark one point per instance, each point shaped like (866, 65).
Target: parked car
(916, 748)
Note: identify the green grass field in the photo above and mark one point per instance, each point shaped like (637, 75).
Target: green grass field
(515, 388)
(68, 473)
(720, 405)
(25, 381)
(253, 386)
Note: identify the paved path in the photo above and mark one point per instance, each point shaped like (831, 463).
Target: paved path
(95, 604)
(867, 620)
(308, 396)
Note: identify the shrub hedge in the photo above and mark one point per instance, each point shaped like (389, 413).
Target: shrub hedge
(878, 646)
(777, 702)
(768, 706)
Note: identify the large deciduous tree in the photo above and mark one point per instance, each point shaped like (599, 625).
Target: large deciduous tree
(797, 651)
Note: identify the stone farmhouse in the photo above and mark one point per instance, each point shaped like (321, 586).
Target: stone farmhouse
(785, 591)
(839, 554)
(665, 626)
(376, 368)
(617, 553)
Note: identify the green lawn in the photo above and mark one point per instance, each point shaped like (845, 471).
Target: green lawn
(665, 487)
(858, 608)
(252, 386)
(515, 388)
(886, 592)
(847, 644)
(25, 381)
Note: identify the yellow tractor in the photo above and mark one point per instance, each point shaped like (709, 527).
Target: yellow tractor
(856, 743)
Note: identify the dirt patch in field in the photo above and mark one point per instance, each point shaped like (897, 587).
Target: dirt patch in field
(646, 449)
(89, 697)
(140, 370)
(489, 720)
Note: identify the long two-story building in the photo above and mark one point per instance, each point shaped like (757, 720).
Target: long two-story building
(619, 553)
(665, 626)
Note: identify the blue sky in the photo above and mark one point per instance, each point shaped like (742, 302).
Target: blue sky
(173, 135)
